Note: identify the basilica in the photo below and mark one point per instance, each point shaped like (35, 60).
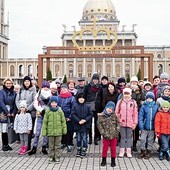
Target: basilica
(97, 15)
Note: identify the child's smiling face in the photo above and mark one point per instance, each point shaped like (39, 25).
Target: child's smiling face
(81, 100)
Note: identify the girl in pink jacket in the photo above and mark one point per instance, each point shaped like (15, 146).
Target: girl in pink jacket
(126, 111)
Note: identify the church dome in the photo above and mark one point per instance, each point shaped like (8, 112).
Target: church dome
(100, 9)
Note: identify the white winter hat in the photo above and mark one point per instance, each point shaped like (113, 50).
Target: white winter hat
(133, 78)
(23, 103)
(53, 85)
(127, 90)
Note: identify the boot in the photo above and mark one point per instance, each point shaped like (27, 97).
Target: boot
(24, 151)
(90, 141)
(122, 152)
(103, 163)
(168, 155)
(21, 150)
(128, 152)
(148, 154)
(113, 164)
(33, 151)
(161, 155)
(44, 151)
(134, 148)
(142, 154)
(96, 142)
(78, 152)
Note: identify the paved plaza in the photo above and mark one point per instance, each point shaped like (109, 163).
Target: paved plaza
(12, 161)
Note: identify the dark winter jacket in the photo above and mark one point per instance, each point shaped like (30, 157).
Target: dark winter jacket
(7, 97)
(66, 105)
(79, 112)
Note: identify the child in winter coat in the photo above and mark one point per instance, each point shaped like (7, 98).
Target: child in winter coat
(54, 126)
(23, 126)
(109, 128)
(82, 117)
(146, 125)
(162, 129)
(126, 110)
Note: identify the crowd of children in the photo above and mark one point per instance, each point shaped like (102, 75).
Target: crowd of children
(122, 112)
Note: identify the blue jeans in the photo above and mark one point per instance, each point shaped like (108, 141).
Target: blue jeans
(165, 142)
(82, 140)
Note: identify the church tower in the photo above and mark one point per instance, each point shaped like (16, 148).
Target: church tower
(3, 33)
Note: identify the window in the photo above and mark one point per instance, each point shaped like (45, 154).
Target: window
(12, 71)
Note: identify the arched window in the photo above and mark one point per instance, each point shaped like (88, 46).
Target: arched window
(70, 71)
(30, 70)
(99, 69)
(160, 69)
(12, 71)
(57, 70)
(89, 70)
(108, 70)
(159, 56)
(80, 70)
(21, 70)
(117, 70)
(127, 70)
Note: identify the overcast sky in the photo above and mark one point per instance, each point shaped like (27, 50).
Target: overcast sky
(34, 23)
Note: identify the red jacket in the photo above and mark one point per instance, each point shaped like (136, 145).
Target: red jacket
(162, 123)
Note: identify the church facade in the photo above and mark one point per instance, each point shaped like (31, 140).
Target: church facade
(104, 13)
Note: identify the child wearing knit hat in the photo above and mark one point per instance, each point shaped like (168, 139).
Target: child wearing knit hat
(23, 126)
(109, 128)
(126, 110)
(162, 129)
(147, 115)
(54, 126)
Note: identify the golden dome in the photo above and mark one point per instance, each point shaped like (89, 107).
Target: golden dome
(100, 9)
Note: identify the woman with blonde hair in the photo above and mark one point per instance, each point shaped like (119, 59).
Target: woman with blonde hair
(7, 110)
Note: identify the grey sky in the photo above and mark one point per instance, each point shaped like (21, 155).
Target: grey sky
(35, 23)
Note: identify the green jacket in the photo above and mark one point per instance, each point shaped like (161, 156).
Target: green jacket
(54, 123)
(108, 127)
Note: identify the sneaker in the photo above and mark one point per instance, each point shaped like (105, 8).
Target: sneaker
(78, 153)
(69, 148)
(50, 160)
(57, 160)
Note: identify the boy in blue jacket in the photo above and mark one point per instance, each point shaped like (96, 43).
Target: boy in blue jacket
(81, 116)
(146, 125)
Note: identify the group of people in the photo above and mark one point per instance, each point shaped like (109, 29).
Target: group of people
(120, 112)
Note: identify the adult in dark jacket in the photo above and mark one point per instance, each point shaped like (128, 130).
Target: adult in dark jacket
(82, 116)
(27, 92)
(111, 94)
(66, 101)
(139, 96)
(103, 91)
(92, 97)
(7, 110)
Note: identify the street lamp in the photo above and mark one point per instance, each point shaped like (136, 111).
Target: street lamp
(44, 48)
